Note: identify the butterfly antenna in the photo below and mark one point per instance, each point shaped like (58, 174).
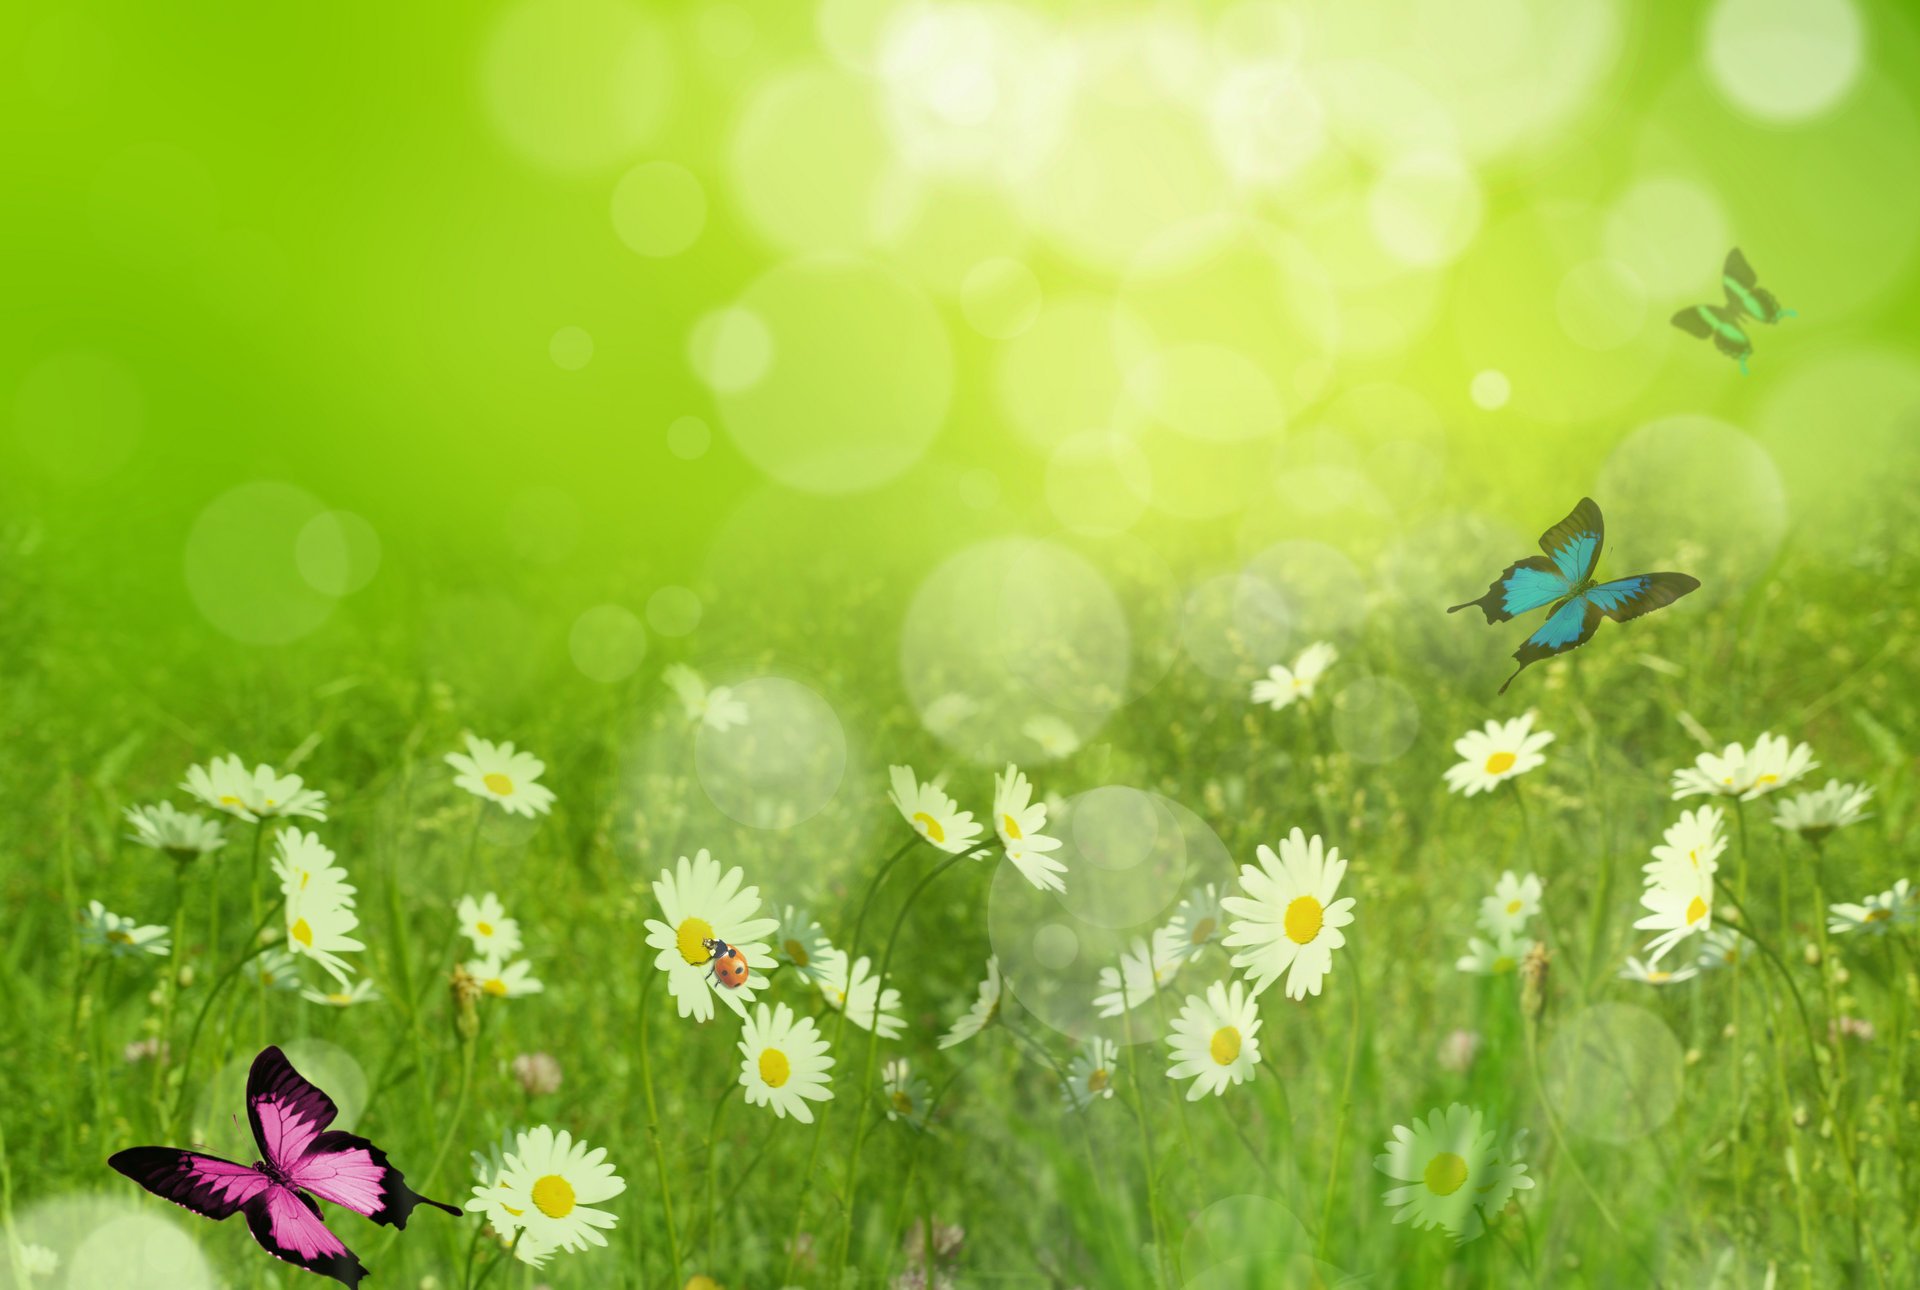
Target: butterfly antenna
(1509, 681)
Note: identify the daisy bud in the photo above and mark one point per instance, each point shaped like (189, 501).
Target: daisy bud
(538, 1073)
(1812, 953)
(465, 988)
(1533, 982)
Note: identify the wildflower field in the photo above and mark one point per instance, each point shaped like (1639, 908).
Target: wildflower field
(744, 645)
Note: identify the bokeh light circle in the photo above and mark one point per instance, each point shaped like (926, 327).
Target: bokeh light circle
(1614, 1072)
(826, 417)
(730, 349)
(577, 85)
(1490, 389)
(1008, 631)
(607, 643)
(1695, 495)
(658, 209)
(571, 348)
(1061, 376)
(688, 438)
(1671, 232)
(809, 161)
(1425, 209)
(1000, 297)
(243, 569)
(337, 552)
(1375, 719)
(1325, 593)
(79, 415)
(674, 611)
(1235, 626)
(1784, 60)
(1098, 484)
(1601, 304)
(780, 767)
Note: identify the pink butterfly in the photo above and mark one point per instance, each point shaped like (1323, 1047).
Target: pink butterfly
(290, 1119)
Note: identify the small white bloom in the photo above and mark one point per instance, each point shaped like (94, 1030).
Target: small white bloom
(362, 991)
(1497, 957)
(1638, 970)
(1773, 763)
(784, 1062)
(178, 833)
(1199, 920)
(1681, 906)
(801, 944)
(1090, 1074)
(1283, 686)
(714, 708)
(1145, 969)
(1692, 847)
(1877, 915)
(122, 937)
(1513, 903)
(871, 1008)
(500, 980)
(931, 813)
(1451, 1172)
(497, 773)
(1021, 823)
(908, 1097)
(227, 785)
(1815, 814)
(984, 1009)
(1496, 753)
(485, 923)
(1213, 1041)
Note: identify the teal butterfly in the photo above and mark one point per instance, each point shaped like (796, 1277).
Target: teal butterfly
(1564, 579)
(1746, 299)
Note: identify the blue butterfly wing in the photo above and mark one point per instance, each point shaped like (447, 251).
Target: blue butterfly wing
(1568, 627)
(1574, 543)
(1532, 583)
(1625, 598)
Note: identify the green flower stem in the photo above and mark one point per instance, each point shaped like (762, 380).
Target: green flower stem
(1340, 1124)
(487, 1271)
(873, 1050)
(1573, 1161)
(254, 896)
(1146, 1136)
(163, 1052)
(906, 1188)
(258, 947)
(653, 1125)
(713, 1132)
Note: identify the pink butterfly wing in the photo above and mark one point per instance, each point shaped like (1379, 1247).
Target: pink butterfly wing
(206, 1185)
(351, 1171)
(288, 1226)
(287, 1112)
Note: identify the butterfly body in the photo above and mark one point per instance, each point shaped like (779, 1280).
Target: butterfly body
(1563, 582)
(1725, 324)
(300, 1159)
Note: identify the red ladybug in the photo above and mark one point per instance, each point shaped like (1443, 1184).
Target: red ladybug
(729, 964)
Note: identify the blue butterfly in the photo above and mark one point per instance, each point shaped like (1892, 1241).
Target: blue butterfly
(1563, 578)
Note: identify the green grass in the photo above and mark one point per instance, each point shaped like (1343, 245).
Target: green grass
(1045, 1197)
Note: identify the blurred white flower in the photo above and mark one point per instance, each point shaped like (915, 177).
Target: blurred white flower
(1773, 763)
(498, 773)
(984, 1009)
(1514, 902)
(227, 785)
(1283, 686)
(931, 813)
(1815, 814)
(177, 833)
(714, 708)
(121, 937)
(1498, 752)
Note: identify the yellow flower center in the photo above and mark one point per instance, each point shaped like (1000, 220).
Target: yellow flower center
(1010, 827)
(691, 940)
(1696, 910)
(228, 799)
(1659, 978)
(497, 783)
(1500, 763)
(901, 1102)
(1225, 1046)
(1302, 921)
(1445, 1174)
(929, 826)
(1765, 780)
(340, 999)
(553, 1196)
(301, 932)
(1877, 916)
(495, 987)
(1513, 906)
(774, 1068)
(796, 953)
(1694, 857)
(119, 937)
(1504, 963)
(1098, 1081)
(485, 929)
(1201, 931)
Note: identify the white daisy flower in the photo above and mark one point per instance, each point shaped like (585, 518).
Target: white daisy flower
(1513, 903)
(1637, 969)
(985, 1008)
(784, 1062)
(1815, 814)
(1681, 905)
(1496, 753)
(178, 833)
(497, 773)
(1283, 685)
(1720, 947)
(122, 937)
(227, 785)
(933, 815)
(1054, 737)
(1199, 919)
(1289, 917)
(319, 902)
(1090, 1074)
(1213, 1040)
(1145, 969)
(702, 904)
(485, 923)
(1693, 845)
(1774, 763)
(714, 708)
(871, 1008)
(907, 1096)
(1879, 914)
(275, 969)
(547, 1186)
(1451, 1172)
(362, 991)
(500, 980)
(1496, 957)
(1021, 823)
(801, 944)
(948, 713)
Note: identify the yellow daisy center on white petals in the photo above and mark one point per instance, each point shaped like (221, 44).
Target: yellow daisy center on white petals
(775, 1070)
(1098, 1081)
(1696, 910)
(1501, 762)
(119, 937)
(796, 953)
(929, 826)
(301, 932)
(1225, 1046)
(553, 1196)
(495, 987)
(1766, 779)
(1877, 916)
(1201, 931)
(1514, 906)
(902, 1103)
(497, 783)
(691, 940)
(1302, 920)
(228, 799)
(1011, 827)
(485, 929)
(1445, 1174)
